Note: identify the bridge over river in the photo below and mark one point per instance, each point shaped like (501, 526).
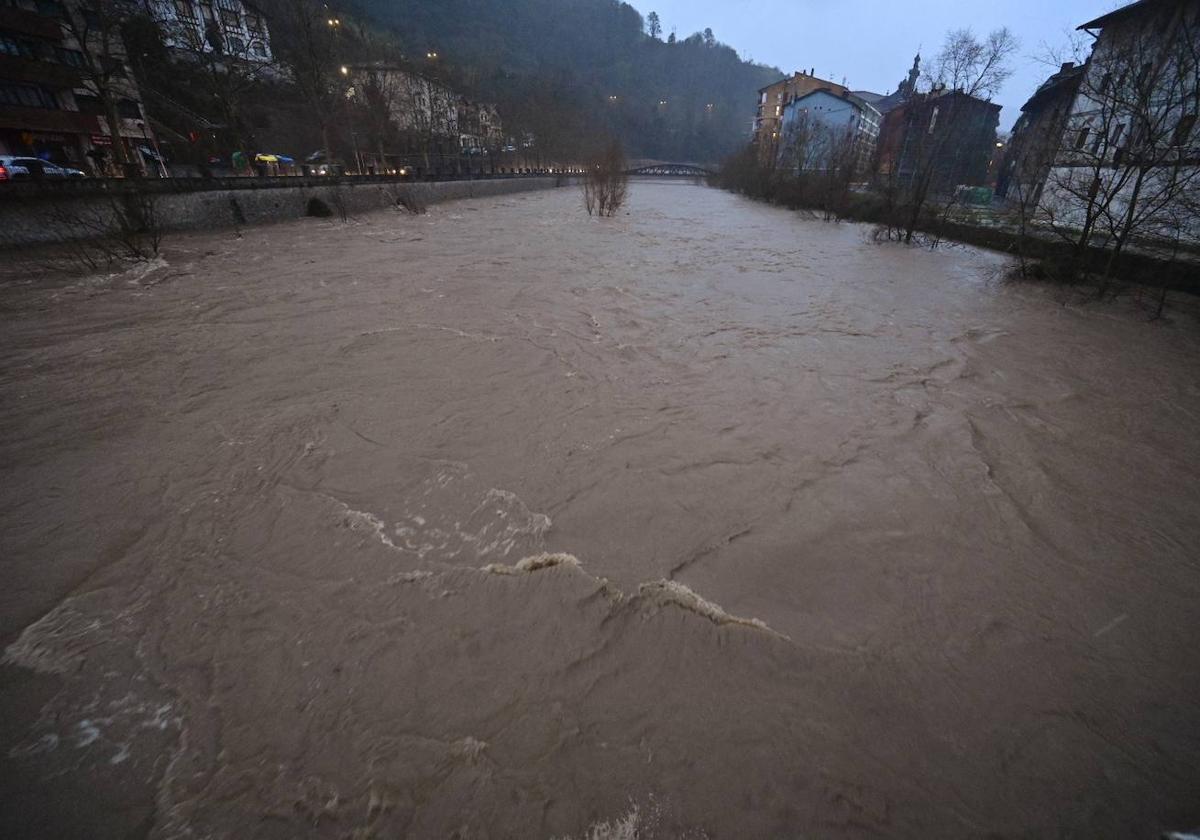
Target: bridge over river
(706, 520)
(671, 170)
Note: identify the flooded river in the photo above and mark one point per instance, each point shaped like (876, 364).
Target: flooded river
(505, 522)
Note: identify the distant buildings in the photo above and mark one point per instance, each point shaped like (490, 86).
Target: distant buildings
(479, 127)
(231, 28)
(1037, 134)
(946, 137)
(66, 90)
(823, 130)
(1127, 157)
(414, 118)
(773, 99)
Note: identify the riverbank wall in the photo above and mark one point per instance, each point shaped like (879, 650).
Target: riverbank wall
(47, 213)
(1039, 251)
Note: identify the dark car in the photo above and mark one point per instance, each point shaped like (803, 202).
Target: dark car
(10, 170)
(39, 168)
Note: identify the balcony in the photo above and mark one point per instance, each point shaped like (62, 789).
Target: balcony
(30, 23)
(46, 73)
(47, 120)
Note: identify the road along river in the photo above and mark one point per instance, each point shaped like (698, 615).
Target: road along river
(506, 522)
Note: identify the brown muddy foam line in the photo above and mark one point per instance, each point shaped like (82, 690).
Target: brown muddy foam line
(650, 597)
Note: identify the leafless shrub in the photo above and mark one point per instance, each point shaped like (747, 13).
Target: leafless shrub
(123, 229)
(338, 199)
(408, 201)
(606, 184)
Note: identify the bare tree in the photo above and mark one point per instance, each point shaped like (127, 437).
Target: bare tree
(229, 70)
(306, 40)
(949, 130)
(95, 28)
(606, 183)
(975, 67)
(1128, 170)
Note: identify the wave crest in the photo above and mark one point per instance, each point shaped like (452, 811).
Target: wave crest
(534, 563)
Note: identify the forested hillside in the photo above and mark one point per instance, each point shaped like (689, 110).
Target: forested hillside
(572, 71)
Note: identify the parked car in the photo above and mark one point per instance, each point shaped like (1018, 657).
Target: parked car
(10, 170)
(38, 168)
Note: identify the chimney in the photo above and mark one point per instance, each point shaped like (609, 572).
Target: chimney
(812, 72)
(1067, 65)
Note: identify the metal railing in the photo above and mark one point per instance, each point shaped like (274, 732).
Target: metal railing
(50, 187)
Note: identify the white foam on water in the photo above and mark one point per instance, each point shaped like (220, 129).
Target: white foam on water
(534, 563)
(358, 520)
(628, 827)
(55, 643)
(468, 749)
(494, 527)
(663, 593)
(654, 595)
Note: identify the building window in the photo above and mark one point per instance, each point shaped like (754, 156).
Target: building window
(1117, 134)
(51, 8)
(19, 47)
(184, 10)
(27, 96)
(236, 45)
(89, 105)
(1183, 131)
(230, 19)
(127, 109)
(1144, 74)
(114, 67)
(1082, 139)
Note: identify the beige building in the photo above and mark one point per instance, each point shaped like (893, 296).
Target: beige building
(774, 98)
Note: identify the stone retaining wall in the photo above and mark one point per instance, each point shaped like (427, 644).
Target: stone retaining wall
(34, 216)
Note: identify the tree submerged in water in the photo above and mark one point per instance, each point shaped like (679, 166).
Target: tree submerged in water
(606, 183)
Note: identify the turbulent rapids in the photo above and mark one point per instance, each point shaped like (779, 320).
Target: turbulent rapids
(705, 521)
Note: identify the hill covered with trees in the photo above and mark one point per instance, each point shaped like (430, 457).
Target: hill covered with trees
(573, 72)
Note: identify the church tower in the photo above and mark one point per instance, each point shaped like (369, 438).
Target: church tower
(909, 86)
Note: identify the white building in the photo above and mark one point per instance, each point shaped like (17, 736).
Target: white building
(1129, 157)
(224, 27)
(830, 127)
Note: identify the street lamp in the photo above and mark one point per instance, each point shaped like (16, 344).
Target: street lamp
(432, 56)
(334, 22)
(345, 70)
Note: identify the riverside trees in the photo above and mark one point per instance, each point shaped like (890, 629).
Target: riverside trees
(1128, 168)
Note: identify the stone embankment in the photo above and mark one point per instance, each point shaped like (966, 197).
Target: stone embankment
(46, 213)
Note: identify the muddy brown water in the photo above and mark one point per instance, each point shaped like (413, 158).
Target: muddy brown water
(504, 522)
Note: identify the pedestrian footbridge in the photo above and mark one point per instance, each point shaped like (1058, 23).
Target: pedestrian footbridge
(670, 170)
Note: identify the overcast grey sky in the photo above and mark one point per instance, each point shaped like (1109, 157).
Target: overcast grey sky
(872, 42)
